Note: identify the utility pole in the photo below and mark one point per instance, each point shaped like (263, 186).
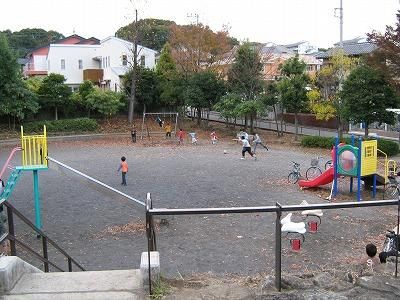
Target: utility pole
(341, 71)
(196, 15)
(340, 9)
(132, 98)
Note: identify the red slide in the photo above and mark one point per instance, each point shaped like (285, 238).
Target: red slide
(322, 179)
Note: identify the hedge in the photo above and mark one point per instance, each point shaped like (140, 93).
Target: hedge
(67, 125)
(389, 147)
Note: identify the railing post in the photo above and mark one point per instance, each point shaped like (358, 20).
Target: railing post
(10, 219)
(69, 264)
(45, 254)
(397, 232)
(278, 247)
(148, 231)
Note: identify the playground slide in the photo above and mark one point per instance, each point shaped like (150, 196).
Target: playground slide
(322, 179)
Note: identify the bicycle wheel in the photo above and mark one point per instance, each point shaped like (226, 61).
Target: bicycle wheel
(328, 164)
(313, 172)
(392, 191)
(293, 178)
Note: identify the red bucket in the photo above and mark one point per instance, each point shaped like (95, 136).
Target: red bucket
(313, 226)
(295, 245)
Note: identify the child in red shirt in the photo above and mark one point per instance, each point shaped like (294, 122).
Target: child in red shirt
(181, 135)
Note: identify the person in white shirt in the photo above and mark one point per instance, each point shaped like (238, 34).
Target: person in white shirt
(257, 141)
(246, 147)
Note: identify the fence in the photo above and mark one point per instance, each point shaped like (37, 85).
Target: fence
(277, 209)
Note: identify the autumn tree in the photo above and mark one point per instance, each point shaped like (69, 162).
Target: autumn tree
(197, 47)
(387, 57)
(366, 95)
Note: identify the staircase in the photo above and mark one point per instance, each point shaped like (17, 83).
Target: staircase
(99, 285)
(10, 185)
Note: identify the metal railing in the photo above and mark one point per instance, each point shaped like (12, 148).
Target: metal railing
(277, 209)
(44, 257)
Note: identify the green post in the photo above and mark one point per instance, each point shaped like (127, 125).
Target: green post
(36, 195)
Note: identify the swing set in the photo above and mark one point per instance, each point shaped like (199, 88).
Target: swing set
(159, 119)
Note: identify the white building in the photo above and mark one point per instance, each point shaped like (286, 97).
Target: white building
(78, 59)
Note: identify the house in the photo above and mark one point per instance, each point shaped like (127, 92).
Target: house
(272, 56)
(78, 59)
(354, 48)
(302, 47)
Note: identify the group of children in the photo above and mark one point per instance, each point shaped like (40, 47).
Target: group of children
(244, 139)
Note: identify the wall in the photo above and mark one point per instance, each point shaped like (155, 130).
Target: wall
(310, 120)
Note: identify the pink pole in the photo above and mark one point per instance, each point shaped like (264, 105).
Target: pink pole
(9, 159)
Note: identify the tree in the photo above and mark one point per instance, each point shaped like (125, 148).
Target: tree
(227, 107)
(27, 39)
(245, 77)
(292, 88)
(270, 98)
(105, 102)
(54, 93)
(81, 96)
(366, 95)
(197, 47)
(154, 33)
(387, 57)
(16, 100)
(203, 90)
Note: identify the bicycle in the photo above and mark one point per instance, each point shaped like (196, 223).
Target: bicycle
(391, 244)
(294, 175)
(392, 190)
(315, 170)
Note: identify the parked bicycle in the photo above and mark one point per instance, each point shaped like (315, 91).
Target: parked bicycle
(315, 170)
(294, 175)
(392, 189)
(391, 244)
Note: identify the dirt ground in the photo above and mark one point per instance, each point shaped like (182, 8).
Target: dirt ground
(105, 231)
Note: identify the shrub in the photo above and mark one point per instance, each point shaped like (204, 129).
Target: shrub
(67, 125)
(389, 147)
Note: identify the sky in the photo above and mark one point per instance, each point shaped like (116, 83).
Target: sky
(276, 21)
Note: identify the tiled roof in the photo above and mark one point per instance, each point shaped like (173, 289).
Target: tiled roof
(351, 50)
(276, 49)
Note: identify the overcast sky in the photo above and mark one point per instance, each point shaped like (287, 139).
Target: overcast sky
(278, 21)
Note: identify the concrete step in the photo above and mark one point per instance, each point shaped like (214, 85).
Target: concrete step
(119, 284)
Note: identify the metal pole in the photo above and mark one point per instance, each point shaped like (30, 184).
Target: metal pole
(341, 23)
(148, 231)
(38, 221)
(359, 170)
(10, 218)
(278, 248)
(335, 168)
(141, 133)
(397, 232)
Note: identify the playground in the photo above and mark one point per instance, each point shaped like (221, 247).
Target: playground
(103, 230)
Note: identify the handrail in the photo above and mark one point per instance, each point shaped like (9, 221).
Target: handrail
(13, 151)
(278, 209)
(95, 181)
(385, 164)
(11, 210)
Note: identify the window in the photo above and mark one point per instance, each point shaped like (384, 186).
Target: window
(310, 68)
(124, 60)
(80, 64)
(109, 61)
(369, 151)
(63, 64)
(143, 61)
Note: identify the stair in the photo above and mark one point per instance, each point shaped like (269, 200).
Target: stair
(10, 185)
(99, 285)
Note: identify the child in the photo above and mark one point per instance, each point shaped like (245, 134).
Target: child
(133, 134)
(371, 262)
(193, 137)
(257, 141)
(181, 135)
(214, 138)
(246, 147)
(124, 169)
(159, 121)
(167, 130)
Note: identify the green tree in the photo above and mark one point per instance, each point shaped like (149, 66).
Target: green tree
(80, 97)
(203, 90)
(105, 102)
(366, 95)
(227, 107)
(270, 98)
(153, 33)
(16, 100)
(166, 66)
(245, 77)
(25, 40)
(292, 88)
(54, 93)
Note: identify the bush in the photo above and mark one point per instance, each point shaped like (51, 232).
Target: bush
(67, 125)
(389, 147)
